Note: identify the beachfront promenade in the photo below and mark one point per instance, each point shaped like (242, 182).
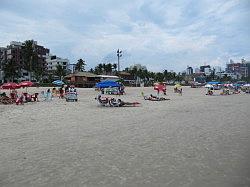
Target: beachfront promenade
(190, 140)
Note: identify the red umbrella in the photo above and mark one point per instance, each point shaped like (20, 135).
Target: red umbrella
(10, 85)
(26, 84)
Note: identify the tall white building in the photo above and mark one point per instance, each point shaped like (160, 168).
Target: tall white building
(53, 61)
(197, 70)
(207, 71)
(217, 69)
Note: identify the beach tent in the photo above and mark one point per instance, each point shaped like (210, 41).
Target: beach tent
(58, 82)
(108, 84)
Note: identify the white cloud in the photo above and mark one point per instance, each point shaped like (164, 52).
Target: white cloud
(152, 32)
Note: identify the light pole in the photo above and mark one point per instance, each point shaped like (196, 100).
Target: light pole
(119, 54)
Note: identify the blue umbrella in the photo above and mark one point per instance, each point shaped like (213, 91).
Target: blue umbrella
(58, 82)
(213, 82)
(108, 84)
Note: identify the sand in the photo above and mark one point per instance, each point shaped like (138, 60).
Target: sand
(190, 140)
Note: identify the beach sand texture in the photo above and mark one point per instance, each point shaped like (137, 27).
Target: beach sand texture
(190, 140)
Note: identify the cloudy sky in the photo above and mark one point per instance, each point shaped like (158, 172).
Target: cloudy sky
(160, 34)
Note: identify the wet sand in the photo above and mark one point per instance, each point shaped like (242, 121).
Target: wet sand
(190, 140)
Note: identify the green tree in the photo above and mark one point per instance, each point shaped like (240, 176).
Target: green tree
(114, 67)
(38, 68)
(11, 69)
(109, 68)
(60, 72)
(80, 65)
(29, 57)
(159, 77)
(98, 69)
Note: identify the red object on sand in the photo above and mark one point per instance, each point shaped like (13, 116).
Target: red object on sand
(26, 84)
(10, 85)
(160, 87)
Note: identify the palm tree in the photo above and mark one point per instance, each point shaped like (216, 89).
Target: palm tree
(109, 68)
(98, 69)
(91, 70)
(104, 67)
(114, 67)
(28, 56)
(60, 72)
(80, 65)
(11, 70)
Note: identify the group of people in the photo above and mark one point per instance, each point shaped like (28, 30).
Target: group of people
(20, 98)
(61, 92)
(224, 91)
(112, 102)
(178, 90)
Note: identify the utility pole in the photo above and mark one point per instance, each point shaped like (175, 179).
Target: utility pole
(119, 54)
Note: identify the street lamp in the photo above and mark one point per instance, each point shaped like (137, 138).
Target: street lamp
(119, 54)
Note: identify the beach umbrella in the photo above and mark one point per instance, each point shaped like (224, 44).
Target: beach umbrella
(26, 84)
(58, 82)
(10, 86)
(213, 82)
(177, 86)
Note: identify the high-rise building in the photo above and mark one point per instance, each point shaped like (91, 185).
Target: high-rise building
(217, 69)
(202, 68)
(240, 69)
(207, 71)
(2, 49)
(53, 61)
(14, 52)
(189, 70)
(197, 70)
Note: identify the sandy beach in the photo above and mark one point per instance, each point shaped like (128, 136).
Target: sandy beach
(190, 140)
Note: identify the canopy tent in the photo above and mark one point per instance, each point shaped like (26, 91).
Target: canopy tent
(108, 84)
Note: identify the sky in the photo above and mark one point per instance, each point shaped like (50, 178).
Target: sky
(160, 34)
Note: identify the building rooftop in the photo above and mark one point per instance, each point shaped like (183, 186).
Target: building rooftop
(82, 74)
